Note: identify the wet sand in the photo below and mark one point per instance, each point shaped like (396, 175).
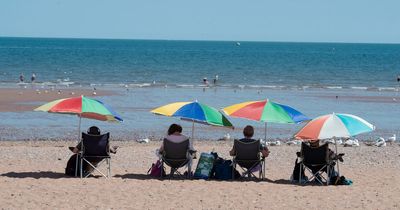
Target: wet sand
(20, 99)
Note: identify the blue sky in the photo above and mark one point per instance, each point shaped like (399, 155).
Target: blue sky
(366, 21)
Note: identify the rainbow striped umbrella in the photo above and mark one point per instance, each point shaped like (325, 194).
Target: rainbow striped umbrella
(334, 125)
(265, 111)
(195, 112)
(82, 107)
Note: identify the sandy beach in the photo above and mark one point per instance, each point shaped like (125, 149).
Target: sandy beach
(32, 177)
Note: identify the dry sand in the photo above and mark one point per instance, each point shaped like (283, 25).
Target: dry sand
(32, 177)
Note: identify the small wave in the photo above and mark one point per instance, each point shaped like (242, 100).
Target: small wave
(140, 85)
(334, 87)
(386, 89)
(359, 88)
(185, 86)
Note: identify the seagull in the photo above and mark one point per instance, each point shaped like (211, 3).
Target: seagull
(293, 142)
(145, 140)
(380, 142)
(227, 137)
(351, 143)
(391, 139)
(275, 143)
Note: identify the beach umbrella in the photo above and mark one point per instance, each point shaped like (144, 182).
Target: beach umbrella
(334, 126)
(194, 112)
(265, 111)
(83, 107)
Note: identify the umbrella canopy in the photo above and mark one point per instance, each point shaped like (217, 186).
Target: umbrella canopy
(265, 111)
(334, 125)
(83, 107)
(194, 111)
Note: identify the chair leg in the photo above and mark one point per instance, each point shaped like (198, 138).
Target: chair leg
(162, 169)
(301, 169)
(109, 167)
(233, 170)
(81, 168)
(329, 177)
(76, 165)
(263, 170)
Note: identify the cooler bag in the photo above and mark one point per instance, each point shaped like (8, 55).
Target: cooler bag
(204, 166)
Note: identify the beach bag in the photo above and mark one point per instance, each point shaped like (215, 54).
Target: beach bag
(296, 171)
(204, 166)
(223, 170)
(156, 169)
(335, 180)
(71, 166)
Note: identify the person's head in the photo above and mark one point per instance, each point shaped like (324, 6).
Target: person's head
(94, 130)
(174, 128)
(248, 131)
(314, 143)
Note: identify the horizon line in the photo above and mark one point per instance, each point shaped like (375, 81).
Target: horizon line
(201, 40)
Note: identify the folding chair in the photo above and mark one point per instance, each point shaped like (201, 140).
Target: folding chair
(316, 161)
(247, 156)
(176, 155)
(95, 150)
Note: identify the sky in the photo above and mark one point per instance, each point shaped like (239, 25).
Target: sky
(355, 21)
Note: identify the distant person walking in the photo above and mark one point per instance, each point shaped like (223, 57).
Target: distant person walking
(33, 78)
(21, 77)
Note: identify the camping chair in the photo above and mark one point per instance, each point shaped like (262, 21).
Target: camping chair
(176, 155)
(95, 150)
(247, 156)
(317, 160)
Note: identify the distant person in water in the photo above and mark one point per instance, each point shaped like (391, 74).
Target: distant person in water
(215, 79)
(205, 81)
(398, 78)
(21, 77)
(33, 78)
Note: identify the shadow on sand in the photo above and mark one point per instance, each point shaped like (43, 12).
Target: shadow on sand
(36, 175)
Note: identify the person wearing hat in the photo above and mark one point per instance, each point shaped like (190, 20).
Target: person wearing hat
(94, 130)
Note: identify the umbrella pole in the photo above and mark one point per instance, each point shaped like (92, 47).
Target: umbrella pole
(192, 130)
(79, 128)
(337, 162)
(265, 132)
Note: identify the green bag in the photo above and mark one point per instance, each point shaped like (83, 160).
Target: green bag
(204, 166)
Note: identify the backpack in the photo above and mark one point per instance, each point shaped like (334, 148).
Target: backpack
(71, 166)
(335, 180)
(296, 172)
(222, 169)
(155, 170)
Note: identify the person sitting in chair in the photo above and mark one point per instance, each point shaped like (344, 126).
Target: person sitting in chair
(248, 133)
(92, 131)
(175, 135)
(332, 156)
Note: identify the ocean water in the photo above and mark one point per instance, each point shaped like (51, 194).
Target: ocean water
(147, 74)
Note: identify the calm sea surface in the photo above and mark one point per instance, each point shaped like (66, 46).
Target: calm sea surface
(147, 74)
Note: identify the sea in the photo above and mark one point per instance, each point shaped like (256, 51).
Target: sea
(314, 78)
